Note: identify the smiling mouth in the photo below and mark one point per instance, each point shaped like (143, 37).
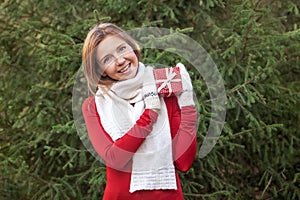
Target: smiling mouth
(125, 69)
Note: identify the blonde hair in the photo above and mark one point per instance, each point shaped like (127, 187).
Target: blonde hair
(92, 70)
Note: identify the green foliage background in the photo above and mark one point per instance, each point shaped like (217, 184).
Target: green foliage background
(255, 44)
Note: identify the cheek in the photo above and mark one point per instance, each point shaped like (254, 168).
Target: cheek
(100, 72)
(133, 57)
(108, 71)
(129, 53)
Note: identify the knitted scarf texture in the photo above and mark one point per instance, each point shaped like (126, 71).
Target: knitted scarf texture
(119, 109)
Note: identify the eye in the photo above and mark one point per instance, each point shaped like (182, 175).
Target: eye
(107, 59)
(122, 48)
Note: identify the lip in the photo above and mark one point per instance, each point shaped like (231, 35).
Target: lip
(125, 69)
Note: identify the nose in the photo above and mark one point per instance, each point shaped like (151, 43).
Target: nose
(120, 60)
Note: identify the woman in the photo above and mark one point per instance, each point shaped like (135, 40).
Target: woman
(143, 138)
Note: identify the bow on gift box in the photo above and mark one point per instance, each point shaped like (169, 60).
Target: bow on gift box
(170, 74)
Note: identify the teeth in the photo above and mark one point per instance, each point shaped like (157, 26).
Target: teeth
(124, 69)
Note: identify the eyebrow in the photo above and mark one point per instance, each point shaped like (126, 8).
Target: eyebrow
(122, 44)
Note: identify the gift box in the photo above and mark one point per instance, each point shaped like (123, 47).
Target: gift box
(168, 81)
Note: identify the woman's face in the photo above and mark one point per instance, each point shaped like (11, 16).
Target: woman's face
(117, 58)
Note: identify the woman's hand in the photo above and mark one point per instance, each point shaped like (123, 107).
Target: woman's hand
(150, 94)
(186, 97)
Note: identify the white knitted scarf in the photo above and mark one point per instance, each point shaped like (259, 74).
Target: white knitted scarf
(119, 109)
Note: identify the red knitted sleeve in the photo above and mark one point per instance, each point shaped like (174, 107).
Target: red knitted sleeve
(183, 130)
(116, 154)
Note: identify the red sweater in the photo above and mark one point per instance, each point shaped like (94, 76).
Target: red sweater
(118, 154)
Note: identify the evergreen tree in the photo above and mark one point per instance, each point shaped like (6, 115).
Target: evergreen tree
(255, 45)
